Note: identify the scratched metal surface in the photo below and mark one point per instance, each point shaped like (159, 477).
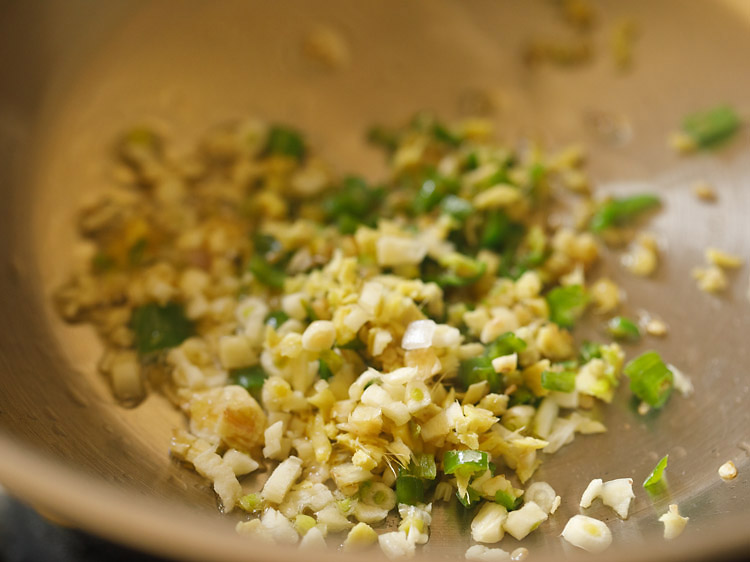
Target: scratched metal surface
(73, 74)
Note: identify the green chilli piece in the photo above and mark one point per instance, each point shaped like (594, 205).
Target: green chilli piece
(470, 499)
(271, 275)
(249, 378)
(465, 463)
(657, 474)
(507, 500)
(590, 350)
(505, 344)
(650, 379)
(566, 304)
(324, 371)
(285, 141)
(622, 328)
(409, 489)
(276, 319)
(561, 381)
(618, 211)
(478, 369)
(712, 126)
(457, 207)
(423, 466)
(158, 327)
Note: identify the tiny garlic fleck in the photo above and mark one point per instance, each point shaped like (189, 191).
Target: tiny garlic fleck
(728, 471)
(520, 553)
(705, 191)
(656, 327)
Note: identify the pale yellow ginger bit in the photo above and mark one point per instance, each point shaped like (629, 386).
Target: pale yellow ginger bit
(674, 523)
(360, 536)
(656, 327)
(705, 191)
(728, 471)
(328, 47)
(605, 295)
(681, 142)
(497, 196)
(722, 259)
(643, 257)
(710, 279)
(229, 414)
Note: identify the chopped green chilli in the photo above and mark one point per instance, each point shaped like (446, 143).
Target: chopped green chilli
(657, 474)
(622, 328)
(620, 211)
(712, 126)
(508, 500)
(650, 379)
(284, 141)
(566, 305)
(561, 381)
(409, 489)
(466, 462)
(159, 327)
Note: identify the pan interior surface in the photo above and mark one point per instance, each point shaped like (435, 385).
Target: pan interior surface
(92, 70)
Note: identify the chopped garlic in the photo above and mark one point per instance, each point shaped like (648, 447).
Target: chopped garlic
(710, 279)
(419, 334)
(360, 536)
(281, 480)
(487, 525)
(521, 522)
(728, 471)
(587, 533)
(723, 259)
(656, 327)
(480, 553)
(241, 463)
(674, 523)
(395, 545)
(319, 336)
(705, 191)
(543, 495)
(618, 494)
(313, 539)
(505, 363)
(592, 491)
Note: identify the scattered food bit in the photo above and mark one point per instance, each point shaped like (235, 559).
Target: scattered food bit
(481, 553)
(705, 191)
(657, 474)
(587, 533)
(681, 381)
(728, 471)
(674, 523)
(650, 379)
(706, 129)
(519, 554)
(681, 143)
(656, 327)
(643, 257)
(327, 47)
(710, 279)
(723, 259)
(622, 328)
(562, 52)
(620, 211)
(616, 494)
(624, 34)
(611, 128)
(605, 294)
(578, 13)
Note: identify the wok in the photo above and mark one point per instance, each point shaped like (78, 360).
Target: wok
(74, 73)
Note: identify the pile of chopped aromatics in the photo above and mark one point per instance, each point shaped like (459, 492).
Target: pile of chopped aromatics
(391, 345)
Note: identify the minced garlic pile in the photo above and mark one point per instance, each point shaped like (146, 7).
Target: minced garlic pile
(372, 347)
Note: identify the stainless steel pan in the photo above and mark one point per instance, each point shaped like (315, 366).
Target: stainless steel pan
(72, 74)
